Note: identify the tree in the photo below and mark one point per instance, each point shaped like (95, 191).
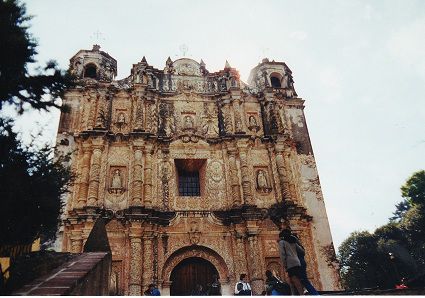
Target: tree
(32, 181)
(394, 250)
(362, 264)
(414, 189)
(400, 210)
(18, 48)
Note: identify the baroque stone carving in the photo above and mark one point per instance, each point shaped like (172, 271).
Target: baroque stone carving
(125, 165)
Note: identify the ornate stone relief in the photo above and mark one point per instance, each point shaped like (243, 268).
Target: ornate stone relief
(194, 233)
(238, 117)
(210, 121)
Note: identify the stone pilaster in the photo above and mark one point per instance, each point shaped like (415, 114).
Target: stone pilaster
(234, 178)
(92, 111)
(84, 180)
(283, 174)
(254, 265)
(148, 179)
(240, 257)
(246, 181)
(291, 174)
(147, 261)
(93, 192)
(238, 117)
(135, 276)
(137, 176)
(76, 242)
(227, 118)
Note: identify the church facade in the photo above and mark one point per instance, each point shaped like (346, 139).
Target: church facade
(195, 172)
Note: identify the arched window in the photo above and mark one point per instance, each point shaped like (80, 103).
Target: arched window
(275, 81)
(90, 71)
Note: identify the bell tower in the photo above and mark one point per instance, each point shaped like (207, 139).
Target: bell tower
(93, 64)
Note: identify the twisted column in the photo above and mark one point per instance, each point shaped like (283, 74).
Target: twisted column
(246, 181)
(234, 178)
(147, 261)
(76, 242)
(135, 288)
(283, 174)
(148, 179)
(94, 177)
(84, 180)
(137, 177)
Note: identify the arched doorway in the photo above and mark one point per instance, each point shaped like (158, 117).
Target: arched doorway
(189, 273)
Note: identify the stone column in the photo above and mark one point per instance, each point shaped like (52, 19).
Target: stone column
(246, 181)
(234, 178)
(238, 118)
(283, 175)
(92, 111)
(93, 192)
(241, 261)
(254, 265)
(138, 117)
(147, 262)
(137, 177)
(76, 242)
(84, 180)
(290, 174)
(135, 276)
(227, 118)
(148, 179)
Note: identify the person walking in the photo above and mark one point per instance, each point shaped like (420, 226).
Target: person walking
(288, 254)
(304, 279)
(242, 287)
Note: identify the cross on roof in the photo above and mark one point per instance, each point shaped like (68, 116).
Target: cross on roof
(183, 49)
(97, 36)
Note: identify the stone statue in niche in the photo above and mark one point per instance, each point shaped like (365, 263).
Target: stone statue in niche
(188, 123)
(252, 123)
(116, 182)
(262, 182)
(121, 119)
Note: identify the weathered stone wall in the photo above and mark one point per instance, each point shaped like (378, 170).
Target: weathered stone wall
(249, 144)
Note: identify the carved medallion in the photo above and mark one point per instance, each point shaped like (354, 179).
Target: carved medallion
(216, 171)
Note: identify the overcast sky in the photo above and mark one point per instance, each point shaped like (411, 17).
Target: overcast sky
(359, 66)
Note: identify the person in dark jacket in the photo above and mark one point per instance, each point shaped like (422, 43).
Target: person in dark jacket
(288, 254)
(304, 279)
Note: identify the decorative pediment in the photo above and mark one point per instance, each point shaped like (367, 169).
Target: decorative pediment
(187, 67)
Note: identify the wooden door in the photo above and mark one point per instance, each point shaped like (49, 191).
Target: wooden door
(189, 273)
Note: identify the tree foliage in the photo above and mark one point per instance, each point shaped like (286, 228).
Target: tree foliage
(32, 181)
(18, 51)
(394, 250)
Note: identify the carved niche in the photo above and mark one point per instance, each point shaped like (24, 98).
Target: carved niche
(116, 183)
